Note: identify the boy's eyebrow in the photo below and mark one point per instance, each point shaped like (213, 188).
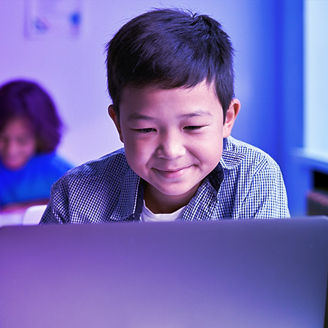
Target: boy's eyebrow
(196, 113)
(137, 116)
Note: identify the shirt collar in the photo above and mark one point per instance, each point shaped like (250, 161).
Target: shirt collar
(230, 157)
(216, 177)
(130, 199)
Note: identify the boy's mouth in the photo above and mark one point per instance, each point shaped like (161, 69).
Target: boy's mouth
(171, 173)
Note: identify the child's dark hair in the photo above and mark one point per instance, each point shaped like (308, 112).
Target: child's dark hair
(26, 99)
(170, 48)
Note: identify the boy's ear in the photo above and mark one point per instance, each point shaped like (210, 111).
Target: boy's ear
(114, 117)
(230, 118)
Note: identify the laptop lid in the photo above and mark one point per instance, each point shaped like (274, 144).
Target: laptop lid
(245, 273)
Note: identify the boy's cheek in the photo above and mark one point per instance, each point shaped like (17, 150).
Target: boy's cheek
(137, 150)
(211, 143)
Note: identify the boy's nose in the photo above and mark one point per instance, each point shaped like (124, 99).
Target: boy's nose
(171, 146)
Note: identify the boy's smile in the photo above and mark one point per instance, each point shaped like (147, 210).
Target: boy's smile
(173, 139)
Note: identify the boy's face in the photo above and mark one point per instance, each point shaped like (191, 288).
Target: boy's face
(172, 138)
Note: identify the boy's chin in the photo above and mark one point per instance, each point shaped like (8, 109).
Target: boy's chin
(173, 192)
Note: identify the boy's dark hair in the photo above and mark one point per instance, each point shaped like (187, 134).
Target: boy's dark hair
(26, 99)
(170, 48)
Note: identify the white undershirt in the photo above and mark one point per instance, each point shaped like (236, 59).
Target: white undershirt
(148, 216)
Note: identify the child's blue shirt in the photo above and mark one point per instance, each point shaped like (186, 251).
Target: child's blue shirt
(33, 181)
(247, 183)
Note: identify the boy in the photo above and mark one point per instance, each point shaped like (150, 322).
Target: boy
(170, 77)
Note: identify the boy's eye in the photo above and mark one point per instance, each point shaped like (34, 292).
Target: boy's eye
(145, 130)
(193, 127)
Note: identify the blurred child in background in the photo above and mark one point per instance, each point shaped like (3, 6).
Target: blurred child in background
(30, 131)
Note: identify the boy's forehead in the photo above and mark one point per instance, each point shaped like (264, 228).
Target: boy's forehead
(142, 102)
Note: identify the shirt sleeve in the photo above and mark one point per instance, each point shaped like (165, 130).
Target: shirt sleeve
(266, 197)
(57, 210)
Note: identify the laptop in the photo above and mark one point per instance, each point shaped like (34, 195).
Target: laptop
(230, 273)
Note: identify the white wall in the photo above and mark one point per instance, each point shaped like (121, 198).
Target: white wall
(316, 79)
(74, 70)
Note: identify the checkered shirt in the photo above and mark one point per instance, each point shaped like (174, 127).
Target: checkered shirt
(247, 183)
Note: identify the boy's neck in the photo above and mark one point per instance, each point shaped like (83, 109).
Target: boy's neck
(160, 203)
